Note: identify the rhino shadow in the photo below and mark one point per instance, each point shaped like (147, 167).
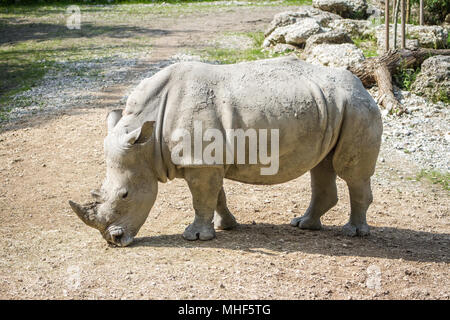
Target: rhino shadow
(271, 239)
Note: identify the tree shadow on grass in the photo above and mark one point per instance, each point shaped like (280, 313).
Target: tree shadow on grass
(384, 242)
(15, 30)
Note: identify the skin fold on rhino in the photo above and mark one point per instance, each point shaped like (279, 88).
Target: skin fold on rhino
(327, 124)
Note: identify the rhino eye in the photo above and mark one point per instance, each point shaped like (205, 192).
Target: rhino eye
(123, 193)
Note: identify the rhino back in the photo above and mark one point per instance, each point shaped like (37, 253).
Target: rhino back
(304, 102)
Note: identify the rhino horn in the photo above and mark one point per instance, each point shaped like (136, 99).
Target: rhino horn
(113, 117)
(83, 213)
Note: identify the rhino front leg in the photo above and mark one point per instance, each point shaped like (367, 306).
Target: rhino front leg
(323, 198)
(205, 185)
(223, 218)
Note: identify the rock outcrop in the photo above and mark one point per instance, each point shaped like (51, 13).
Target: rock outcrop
(433, 81)
(334, 55)
(356, 9)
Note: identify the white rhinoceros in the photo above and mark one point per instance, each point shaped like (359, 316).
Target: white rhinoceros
(325, 122)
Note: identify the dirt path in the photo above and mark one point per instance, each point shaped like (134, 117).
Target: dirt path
(46, 252)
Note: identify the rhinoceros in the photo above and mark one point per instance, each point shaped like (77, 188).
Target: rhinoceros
(327, 123)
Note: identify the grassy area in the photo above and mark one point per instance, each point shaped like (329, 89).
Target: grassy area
(441, 96)
(234, 55)
(34, 40)
(112, 2)
(435, 177)
(368, 45)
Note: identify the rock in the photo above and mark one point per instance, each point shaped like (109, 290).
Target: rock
(294, 34)
(282, 47)
(373, 12)
(356, 28)
(356, 9)
(428, 36)
(334, 55)
(332, 37)
(434, 77)
(291, 17)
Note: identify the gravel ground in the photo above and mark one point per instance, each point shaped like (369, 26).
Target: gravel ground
(421, 135)
(71, 85)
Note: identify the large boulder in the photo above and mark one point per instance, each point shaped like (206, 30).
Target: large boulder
(331, 37)
(291, 17)
(433, 80)
(295, 34)
(428, 36)
(334, 55)
(355, 9)
(357, 28)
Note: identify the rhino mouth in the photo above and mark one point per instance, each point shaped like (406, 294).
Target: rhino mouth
(117, 236)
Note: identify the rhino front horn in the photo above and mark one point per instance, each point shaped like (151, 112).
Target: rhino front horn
(87, 215)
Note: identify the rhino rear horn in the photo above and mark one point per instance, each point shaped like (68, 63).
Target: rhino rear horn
(85, 215)
(113, 117)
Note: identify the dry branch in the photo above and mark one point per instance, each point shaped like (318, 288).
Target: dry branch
(379, 71)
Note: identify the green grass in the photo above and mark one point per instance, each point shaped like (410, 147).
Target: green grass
(7, 3)
(368, 44)
(228, 55)
(435, 177)
(34, 39)
(23, 64)
(405, 78)
(442, 95)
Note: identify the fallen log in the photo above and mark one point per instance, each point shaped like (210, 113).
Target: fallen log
(379, 71)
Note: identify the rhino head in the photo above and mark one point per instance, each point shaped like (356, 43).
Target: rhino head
(123, 202)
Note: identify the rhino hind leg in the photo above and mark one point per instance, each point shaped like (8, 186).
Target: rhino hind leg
(223, 218)
(205, 185)
(354, 160)
(360, 199)
(323, 197)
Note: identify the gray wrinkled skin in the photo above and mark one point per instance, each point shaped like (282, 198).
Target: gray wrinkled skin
(328, 125)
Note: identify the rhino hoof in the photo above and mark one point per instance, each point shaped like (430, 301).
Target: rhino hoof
(353, 230)
(306, 222)
(199, 232)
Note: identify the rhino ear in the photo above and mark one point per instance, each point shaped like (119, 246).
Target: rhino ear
(142, 134)
(113, 117)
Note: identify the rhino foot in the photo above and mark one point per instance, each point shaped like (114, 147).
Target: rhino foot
(306, 222)
(353, 230)
(224, 223)
(197, 231)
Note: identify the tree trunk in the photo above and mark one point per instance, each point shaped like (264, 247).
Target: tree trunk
(421, 13)
(408, 10)
(379, 70)
(403, 32)
(397, 6)
(386, 23)
(394, 5)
